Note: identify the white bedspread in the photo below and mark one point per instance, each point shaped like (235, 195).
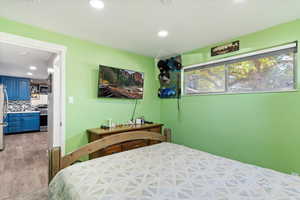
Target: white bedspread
(170, 172)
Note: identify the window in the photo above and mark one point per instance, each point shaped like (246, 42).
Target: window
(262, 72)
(205, 80)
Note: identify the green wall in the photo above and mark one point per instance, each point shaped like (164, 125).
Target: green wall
(83, 59)
(260, 129)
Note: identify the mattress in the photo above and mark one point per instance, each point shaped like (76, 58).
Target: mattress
(168, 171)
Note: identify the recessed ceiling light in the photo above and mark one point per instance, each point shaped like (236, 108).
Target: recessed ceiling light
(239, 1)
(98, 4)
(163, 33)
(32, 67)
(166, 2)
(29, 73)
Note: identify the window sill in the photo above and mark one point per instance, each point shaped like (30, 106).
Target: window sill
(237, 93)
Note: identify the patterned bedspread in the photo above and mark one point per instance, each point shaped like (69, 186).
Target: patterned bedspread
(170, 172)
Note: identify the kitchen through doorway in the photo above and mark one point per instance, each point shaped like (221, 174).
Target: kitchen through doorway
(27, 79)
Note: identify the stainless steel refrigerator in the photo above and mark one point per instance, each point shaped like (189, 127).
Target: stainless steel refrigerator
(3, 113)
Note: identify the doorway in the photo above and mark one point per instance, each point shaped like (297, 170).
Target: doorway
(36, 117)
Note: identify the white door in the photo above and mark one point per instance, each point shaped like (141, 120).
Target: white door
(54, 106)
(50, 114)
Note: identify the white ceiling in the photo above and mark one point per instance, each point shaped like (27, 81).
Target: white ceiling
(16, 60)
(133, 24)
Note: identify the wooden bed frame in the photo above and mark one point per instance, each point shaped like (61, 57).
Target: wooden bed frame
(57, 163)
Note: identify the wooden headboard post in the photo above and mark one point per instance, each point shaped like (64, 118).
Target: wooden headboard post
(167, 134)
(56, 162)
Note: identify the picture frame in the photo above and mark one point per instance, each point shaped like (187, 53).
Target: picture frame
(226, 48)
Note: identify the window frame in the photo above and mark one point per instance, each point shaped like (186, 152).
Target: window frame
(233, 59)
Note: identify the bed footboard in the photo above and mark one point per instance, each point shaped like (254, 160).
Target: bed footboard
(56, 162)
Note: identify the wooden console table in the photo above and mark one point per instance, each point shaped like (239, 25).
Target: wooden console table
(98, 133)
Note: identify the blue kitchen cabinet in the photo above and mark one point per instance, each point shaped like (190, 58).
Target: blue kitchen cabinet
(17, 88)
(22, 122)
(30, 123)
(11, 87)
(24, 89)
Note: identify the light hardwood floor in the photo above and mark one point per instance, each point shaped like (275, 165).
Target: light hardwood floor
(23, 165)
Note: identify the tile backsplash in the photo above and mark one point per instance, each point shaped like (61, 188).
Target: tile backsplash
(18, 106)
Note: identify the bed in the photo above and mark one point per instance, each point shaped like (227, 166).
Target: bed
(169, 171)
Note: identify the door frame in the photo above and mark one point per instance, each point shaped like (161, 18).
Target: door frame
(59, 117)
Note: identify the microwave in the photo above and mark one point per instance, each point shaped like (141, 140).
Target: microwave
(44, 89)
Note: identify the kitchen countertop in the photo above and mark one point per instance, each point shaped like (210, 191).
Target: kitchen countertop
(18, 112)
